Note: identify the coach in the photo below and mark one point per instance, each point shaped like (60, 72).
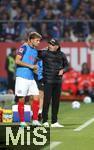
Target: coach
(55, 64)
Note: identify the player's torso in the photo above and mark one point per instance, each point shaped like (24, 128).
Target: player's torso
(28, 57)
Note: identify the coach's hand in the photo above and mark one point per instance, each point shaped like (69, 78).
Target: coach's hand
(61, 72)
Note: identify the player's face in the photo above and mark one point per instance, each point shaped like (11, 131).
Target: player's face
(35, 42)
(52, 47)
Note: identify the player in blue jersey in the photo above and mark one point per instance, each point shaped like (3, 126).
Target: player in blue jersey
(38, 76)
(25, 84)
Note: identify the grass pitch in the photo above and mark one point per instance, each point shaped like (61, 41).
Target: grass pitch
(67, 138)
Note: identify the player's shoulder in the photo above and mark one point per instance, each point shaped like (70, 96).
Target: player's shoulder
(21, 49)
(24, 45)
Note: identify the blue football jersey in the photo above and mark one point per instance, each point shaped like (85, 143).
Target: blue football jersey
(40, 69)
(29, 55)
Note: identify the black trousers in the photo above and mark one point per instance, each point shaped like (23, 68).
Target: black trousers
(51, 94)
(11, 81)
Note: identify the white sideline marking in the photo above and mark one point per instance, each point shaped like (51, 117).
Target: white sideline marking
(87, 123)
(54, 144)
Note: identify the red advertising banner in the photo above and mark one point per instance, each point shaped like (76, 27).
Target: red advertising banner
(77, 54)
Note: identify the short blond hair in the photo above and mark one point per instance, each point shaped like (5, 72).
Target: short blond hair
(34, 35)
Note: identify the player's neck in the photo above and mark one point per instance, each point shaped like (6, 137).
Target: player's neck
(30, 44)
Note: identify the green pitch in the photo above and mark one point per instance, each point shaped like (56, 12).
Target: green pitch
(68, 139)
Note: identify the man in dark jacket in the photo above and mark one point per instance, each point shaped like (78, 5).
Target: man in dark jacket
(54, 65)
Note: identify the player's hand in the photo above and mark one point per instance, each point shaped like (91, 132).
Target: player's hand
(61, 72)
(34, 67)
(35, 70)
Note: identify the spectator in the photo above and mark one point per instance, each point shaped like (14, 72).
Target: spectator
(92, 80)
(84, 81)
(27, 29)
(69, 84)
(10, 68)
(71, 13)
(9, 31)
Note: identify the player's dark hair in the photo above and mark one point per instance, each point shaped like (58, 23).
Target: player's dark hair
(34, 35)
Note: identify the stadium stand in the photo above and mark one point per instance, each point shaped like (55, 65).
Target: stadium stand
(69, 20)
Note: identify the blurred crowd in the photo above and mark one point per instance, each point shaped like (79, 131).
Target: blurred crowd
(79, 83)
(69, 20)
(7, 85)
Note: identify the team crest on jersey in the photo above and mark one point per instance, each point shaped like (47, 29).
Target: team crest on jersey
(32, 58)
(21, 50)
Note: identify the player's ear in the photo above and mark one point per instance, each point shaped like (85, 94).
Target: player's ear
(29, 40)
(58, 47)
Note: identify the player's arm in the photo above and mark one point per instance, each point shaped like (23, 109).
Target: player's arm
(20, 63)
(18, 60)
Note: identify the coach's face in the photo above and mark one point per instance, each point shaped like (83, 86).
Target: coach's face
(35, 42)
(53, 47)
